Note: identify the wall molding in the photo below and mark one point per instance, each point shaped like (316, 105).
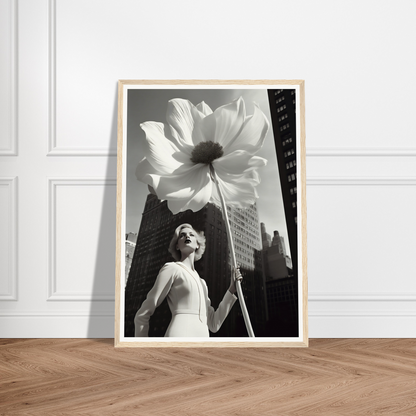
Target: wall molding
(361, 181)
(360, 152)
(52, 293)
(362, 297)
(52, 146)
(70, 314)
(12, 150)
(359, 314)
(11, 184)
(55, 314)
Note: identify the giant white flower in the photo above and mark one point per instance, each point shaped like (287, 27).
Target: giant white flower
(178, 157)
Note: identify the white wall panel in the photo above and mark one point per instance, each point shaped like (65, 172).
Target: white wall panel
(8, 78)
(360, 237)
(76, 230)
(83, 85)
(361, 272)
(8, 238)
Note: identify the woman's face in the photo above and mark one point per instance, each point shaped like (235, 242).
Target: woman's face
(187, 241)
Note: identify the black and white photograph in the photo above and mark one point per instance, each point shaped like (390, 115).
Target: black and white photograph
(211, 214)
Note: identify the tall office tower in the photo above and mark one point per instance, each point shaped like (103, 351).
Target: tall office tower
(130, 247)
(273, 258)
(265, 237)
(281, 290)
(283, 112)
(246, 233)
(245, 227)
(155, 233)
(277, 241)
(282, 294)
(282, 242)
(276, 264)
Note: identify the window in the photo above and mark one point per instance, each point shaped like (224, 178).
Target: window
(289, 153)
(284, 127)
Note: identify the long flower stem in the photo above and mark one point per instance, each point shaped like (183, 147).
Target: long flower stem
(232, 252)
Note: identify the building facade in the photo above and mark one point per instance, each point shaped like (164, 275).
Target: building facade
(130, 247)
(283, 112)
(282, 301)
(282, 294)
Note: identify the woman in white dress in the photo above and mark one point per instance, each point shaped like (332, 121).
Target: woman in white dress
(186, 292)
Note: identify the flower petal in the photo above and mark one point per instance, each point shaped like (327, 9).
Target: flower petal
(181, 115)
(144, 168)
(240, 193)
(252, 135)
(163, 154)
(229, 121)
(204, 108)
(186, 189)
(204, 130)
(238, 162)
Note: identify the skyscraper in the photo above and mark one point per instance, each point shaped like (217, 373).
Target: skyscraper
(265, 237)
(277, 241)
(283, 112)
(130, 247)
(282, 294)
(274, 259)
(246, 233)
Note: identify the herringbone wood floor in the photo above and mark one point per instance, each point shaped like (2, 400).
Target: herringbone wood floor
(90, 377)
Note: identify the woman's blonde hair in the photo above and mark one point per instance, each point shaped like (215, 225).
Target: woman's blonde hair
(176, 254)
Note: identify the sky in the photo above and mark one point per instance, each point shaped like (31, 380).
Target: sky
(150, 105)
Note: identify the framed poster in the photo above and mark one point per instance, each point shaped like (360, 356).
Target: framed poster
(211, 214)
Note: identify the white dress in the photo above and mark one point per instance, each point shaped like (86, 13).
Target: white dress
(187, 296)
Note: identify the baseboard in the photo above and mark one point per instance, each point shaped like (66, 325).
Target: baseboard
(325, 324)
(362, 325)
(71, 325)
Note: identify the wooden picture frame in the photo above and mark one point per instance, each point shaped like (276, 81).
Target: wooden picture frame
(274, 271)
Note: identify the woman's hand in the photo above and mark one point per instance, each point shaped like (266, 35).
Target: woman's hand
(237, 276)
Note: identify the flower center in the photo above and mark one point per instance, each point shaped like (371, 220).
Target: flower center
(206, 152)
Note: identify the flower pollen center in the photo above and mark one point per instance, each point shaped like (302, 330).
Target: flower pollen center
(206, 152)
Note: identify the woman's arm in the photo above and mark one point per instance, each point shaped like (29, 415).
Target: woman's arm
(154, 298)
(215, 318)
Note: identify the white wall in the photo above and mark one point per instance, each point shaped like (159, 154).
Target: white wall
(60, 62)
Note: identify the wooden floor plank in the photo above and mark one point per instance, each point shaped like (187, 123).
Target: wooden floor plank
(336, 377)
